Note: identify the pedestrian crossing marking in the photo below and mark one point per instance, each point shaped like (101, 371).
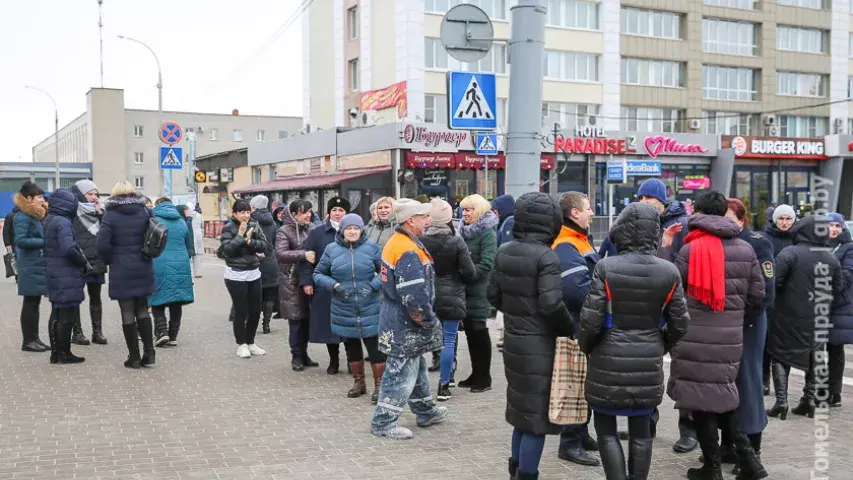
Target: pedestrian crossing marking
(171, 159)
(473, 105)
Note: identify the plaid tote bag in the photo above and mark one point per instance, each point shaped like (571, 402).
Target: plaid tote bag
(567, 403)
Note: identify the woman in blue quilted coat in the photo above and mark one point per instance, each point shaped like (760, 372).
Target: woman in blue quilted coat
(28, 243)
(349, 269)
(841, 316)
(120, 240)
(173, 279)
(65, 265)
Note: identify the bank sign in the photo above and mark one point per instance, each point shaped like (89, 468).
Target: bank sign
(774, 147)
(594, 141)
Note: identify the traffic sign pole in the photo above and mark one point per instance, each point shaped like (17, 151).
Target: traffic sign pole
(526, 51)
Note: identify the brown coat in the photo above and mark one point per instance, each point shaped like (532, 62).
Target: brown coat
(705, 363)
(290, 251)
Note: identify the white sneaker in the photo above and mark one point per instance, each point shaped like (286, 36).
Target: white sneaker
(243, 351)
(256, 350)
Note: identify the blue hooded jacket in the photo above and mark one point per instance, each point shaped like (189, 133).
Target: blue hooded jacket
(842, 306)
(120, 241)
(64, 274)
(173, 281)
(505, 206)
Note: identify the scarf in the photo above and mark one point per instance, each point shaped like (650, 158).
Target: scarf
(706, 268)
(335, 225)
(439, 229)
(89, 217)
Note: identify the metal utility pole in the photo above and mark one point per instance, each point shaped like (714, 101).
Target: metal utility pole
(165, 175)
(55, 136)
(101, 36)
(526, 51)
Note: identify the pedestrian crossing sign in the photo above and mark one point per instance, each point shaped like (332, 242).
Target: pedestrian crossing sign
(171, 158)
(487, 143)
(472, 101)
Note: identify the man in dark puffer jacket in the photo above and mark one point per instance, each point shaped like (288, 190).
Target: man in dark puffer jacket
(635, 312)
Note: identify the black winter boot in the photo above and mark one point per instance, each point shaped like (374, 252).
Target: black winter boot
(436, 362)
(748, 461)
(268, 308)
(513, 468)
(780, 385)
(639, 458)
(63, 336)
(710, 469)
(612, 457)
(147, 333)
(97, 313)
(130, 336)
(79, 338)
(51, 335)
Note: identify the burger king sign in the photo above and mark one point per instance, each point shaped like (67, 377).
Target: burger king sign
(739, 145)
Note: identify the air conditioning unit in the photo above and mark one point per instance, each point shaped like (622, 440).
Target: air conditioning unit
(769, 120)
(199, 129)
(694, 124)
(368, 119)
(838, 126)
(772, 131)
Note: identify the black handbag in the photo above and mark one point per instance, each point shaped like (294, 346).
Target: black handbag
(11, 265)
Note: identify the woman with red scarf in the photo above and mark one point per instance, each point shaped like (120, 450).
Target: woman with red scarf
(722, 279)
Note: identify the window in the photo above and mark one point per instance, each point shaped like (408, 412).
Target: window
(568, 115)
(213, 134)
(139, 182)
(237, 136)
(260, 136)
(816, 4)
(791, 126)
(137, 131)
(729, 83)
(651, 23)
(256, 175)
(650, 119)
(744, 4)
(730, 123)
(138, 158)
(273, 172)
(436, 57)
(801, 84)
(353, 75)
(795, 39)
(733, 38)
(652, 73)
(496, 9)
(352, 23)
(573, 14)
(435, 109)
(571, 66)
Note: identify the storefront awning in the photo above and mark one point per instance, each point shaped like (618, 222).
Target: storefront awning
(310, 182)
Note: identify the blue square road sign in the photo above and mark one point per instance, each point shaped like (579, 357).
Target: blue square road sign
(487, 143)
(171, 158)
(472, 101)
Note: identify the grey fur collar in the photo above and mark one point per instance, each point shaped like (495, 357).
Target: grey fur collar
(486, 221)
(117, 201)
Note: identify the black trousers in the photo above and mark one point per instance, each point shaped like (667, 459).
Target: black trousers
(30, 319)
(298, 338)
(639, 426)
(707, 425)
(480, 348)
(246, 297)
(269, 294)
(836, 368)
(356, 354)
(173, 326)
(94, 291)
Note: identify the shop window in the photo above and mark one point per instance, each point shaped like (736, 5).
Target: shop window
(571, 176)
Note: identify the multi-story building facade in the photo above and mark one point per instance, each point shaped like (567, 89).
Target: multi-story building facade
(123, 144)
(709, 66)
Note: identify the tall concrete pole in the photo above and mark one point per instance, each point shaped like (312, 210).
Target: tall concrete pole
(55, 136)
(526, 53)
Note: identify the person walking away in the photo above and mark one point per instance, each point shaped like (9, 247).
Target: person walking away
(66, 264)
(842, 306)
(381, 225)
(577, 262)
(241, 241)
(753, 417)
(269, 264)
(504, 208)
(320, 326)
(780, 219)
(454, 269)
(28, 244)
(131, 273)
(634, 314)
(173, 280)
(197, 225)
(794, 339)
(293, 301)
(86, 225)
(408, 327)
(186, 212)
(526, 286)
(349, 268)
(478, 231)
(723, 282)
(9, 231)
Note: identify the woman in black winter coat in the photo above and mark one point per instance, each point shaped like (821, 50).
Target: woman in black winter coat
(86, 224)
(120, 241)
(842, 306)
(634, 313)
(798, 329)
(269, 265)
(526, 286)
(241, 241)
(453, 270)
(65, 267)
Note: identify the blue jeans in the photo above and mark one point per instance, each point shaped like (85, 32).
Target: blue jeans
(448, 353)
(573, 436)
(527, 450)
(405, 381)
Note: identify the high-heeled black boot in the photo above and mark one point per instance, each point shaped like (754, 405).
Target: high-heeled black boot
(268, 308)
(97, 314)
(780, 386)
(51, 335)
(64, 327)
(131, 333)
(612, 457)
(146, 331)
(639, 458)
(78, 337)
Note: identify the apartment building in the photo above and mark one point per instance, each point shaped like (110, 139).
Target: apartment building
(691, 66)
(123, 144)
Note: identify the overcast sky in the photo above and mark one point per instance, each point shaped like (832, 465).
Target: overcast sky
(207, 50)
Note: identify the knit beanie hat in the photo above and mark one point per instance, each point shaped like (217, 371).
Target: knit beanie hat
(85, 186)
(338, 202)
(351, 219)
(260, 202)
(441, 213)
(836, 218)
(784, 211)
(30, 189)
(653, 188)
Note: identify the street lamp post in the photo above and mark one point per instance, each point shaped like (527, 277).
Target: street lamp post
(55, 135)
(163, 172)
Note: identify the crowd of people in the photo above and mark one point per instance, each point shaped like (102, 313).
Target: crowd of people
(724, 302)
